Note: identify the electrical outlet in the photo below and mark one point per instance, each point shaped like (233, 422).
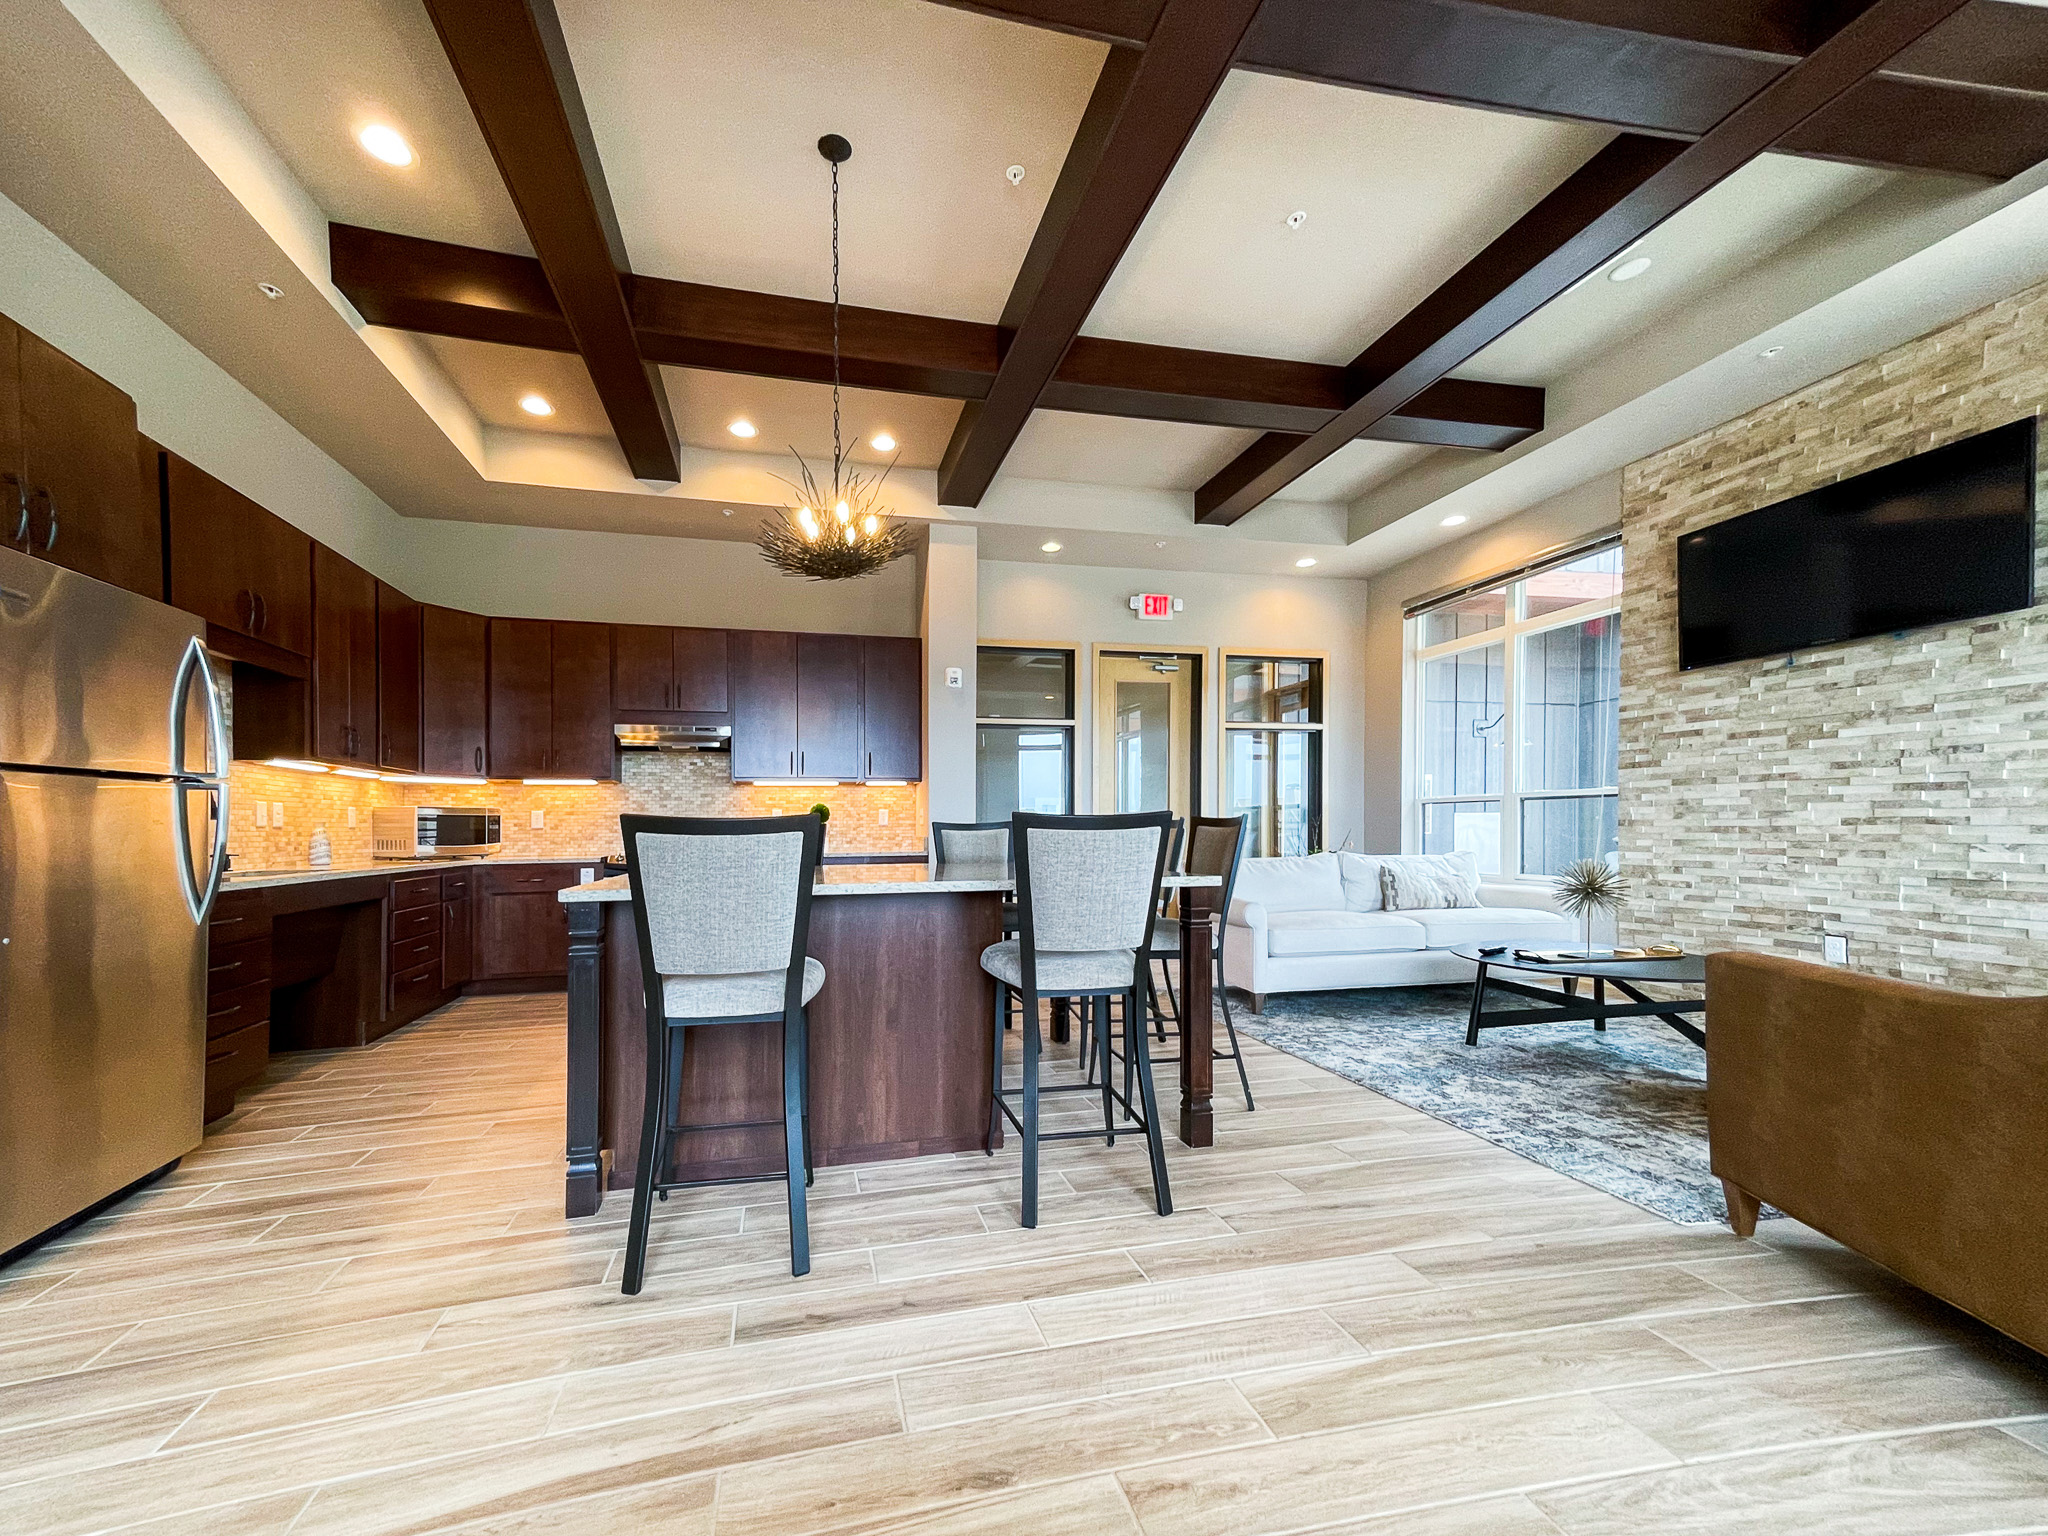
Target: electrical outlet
(351, 815)
(586, 875)
(277, 813)
(262, 813)
(540, 820)
(1834, 948)
(882, 816)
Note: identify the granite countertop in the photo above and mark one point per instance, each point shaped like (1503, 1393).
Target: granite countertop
(260, 879)
(883, 880)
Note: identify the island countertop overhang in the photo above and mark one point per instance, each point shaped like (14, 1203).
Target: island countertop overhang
(883, 880)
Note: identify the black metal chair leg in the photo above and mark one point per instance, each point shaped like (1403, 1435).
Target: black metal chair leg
(803, 1020)
(1030, 1117)
(1085, 1057)
(793, 1140)
(1166, 973)
(652, 1118)
(1002, 1023)
(1141, 1048)
(1100, 1005)
(671, 1108)
(1237, 1054)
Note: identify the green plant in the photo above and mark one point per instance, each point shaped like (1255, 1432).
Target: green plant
(1587, 886)
(822, 811)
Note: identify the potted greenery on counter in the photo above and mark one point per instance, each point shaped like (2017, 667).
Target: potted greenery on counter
(824, 814)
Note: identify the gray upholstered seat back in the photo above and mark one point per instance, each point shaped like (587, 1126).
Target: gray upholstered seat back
(721, 906)
(1092, 889)
(1212, 849)
(957, 846)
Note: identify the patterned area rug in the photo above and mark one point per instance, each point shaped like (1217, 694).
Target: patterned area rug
(1624, 1111)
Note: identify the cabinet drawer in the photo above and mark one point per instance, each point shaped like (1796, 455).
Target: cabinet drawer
(232, 966)
(415, 891)
(522, 879)
(457, 887)
(237, 1057)
(421, 982)
(228, 926)
(238, 1009)
(414, 924)
(410, 954)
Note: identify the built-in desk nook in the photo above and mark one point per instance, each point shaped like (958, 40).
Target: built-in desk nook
(899, 1036)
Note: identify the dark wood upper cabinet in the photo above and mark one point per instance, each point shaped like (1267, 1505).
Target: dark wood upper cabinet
(240, 568)
(398, 681)
(643, 667)
(828, 707)
(68, 486)
(344, 659)
(763, 704)
(454, 683)
(892, 689)
(582, 746)
(521, 698)
(703, 671)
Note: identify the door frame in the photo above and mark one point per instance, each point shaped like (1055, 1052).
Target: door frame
(1201, 791)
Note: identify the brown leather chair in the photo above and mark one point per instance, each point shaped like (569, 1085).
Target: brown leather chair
(1906, 1122)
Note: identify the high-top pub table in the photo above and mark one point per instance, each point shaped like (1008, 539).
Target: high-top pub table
(1563, 1008)
(899, 1037)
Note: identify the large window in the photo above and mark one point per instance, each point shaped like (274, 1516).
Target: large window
(1273, 751)
(1024, 731)
(1516, 715)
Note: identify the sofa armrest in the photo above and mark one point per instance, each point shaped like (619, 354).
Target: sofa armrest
(1540, 897)
(1248, 914)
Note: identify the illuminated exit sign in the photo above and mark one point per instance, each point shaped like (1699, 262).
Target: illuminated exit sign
(1155, 605)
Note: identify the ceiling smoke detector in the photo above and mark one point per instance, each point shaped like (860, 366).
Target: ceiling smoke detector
(1297, 218)
(270, 290)
(1014, 175)
(1630, 270)
(1770, 352)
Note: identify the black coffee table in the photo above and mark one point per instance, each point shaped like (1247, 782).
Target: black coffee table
(1683, 970)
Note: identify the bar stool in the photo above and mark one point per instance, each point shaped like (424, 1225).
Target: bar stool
(722, 908)
(1217, 848)
(977, 842)
(1087, 889)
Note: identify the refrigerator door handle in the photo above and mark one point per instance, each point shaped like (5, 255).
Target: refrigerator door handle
(194, 664)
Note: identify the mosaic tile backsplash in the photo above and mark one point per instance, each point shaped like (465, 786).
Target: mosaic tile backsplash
(580, 821)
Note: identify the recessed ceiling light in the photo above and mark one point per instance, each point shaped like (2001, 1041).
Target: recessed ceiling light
(883, 442)
(536, 405)
(742, 428)
(1297, 218)
(1770, 352)
(385, 143)
(1304, 562)
(1050, 546)
(1159, 543)
(1453, 521)
(270, 290)
(1630, 270)
(726, 510)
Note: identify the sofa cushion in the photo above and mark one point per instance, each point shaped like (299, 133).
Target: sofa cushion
(1361, 872)
(1429, 881)
(1290, 934)
(1297, 884)
(1522, 927)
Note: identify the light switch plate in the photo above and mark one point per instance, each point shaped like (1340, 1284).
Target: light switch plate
(540, 820)
(585, 876)
(277, 813)
(956, 677)
(262, 813)
(882, 816)
(1834, 948)
(351, 815)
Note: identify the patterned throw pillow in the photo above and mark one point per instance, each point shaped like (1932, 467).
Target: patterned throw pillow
(1429, 880)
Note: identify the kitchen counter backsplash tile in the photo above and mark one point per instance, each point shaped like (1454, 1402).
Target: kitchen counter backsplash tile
(581, 820)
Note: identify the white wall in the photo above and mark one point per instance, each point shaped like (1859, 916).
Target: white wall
(1087, 605)
(1589, 509)
(950, 597)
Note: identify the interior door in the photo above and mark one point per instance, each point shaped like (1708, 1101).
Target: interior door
(828, 707)
(102, 993)
(1145, 732)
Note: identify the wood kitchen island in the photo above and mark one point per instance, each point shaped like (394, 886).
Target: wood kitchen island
(900, 1035)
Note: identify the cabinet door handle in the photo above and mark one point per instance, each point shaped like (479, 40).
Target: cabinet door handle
(871, 765)
(801, 759)
(479, 759)
(262, 613)
(21, 496)
(50, 537)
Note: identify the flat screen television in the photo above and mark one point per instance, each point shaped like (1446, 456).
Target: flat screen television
(1940, 537)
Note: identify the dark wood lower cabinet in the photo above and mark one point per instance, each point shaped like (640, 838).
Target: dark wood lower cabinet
(522, 931)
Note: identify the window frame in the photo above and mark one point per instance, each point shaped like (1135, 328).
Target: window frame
(1069, 723)
(1510, 637)
(1225, 654)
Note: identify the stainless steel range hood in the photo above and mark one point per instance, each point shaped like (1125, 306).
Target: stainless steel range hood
(673, 738)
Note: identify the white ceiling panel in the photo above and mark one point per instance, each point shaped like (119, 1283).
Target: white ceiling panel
(494, 379)
(707, 117)
(1109, 450)
(312, 76)
(1357, 467)
(1398, 195)
(786, 412)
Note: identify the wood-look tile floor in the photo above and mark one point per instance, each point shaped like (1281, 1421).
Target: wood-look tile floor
(358, 1309)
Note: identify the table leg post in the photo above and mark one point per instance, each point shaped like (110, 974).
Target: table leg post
(1062, 1020)
(1197, 1020)
(1478, 999)
(583, 1188)
(1600, 1000)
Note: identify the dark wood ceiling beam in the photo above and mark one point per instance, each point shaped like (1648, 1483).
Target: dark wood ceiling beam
(1623, 193)
(1109, 21)
(451, 290)
(1139, 119)
(513, 65)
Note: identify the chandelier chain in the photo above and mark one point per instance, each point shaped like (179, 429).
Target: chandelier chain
(835, 331)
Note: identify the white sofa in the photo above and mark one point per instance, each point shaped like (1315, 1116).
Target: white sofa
(1318, 923)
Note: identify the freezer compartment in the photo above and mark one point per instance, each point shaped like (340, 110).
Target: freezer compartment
(87, 674)
(102, 990)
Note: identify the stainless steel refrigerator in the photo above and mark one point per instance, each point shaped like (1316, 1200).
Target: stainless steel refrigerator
(113, 838)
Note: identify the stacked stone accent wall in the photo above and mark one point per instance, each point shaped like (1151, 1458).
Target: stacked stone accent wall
(1894, 790)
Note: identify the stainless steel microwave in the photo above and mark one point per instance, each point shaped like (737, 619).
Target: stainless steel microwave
(432, 832)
